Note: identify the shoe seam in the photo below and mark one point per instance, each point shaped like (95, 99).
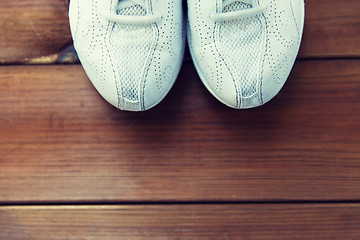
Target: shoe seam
(238, 92)
(148, 64)
(293, 15)
(107, 35)
(260, 84)
(261, 80)
(149, 61)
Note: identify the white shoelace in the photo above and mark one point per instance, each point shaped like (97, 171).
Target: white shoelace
(228, 16)
(130, 19)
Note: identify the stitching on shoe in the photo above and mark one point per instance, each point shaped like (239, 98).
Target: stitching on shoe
(260, 85)
(108, 33)
(297, 27)
(237, 90)
(238, 100)
(150, 59)
(263, 61)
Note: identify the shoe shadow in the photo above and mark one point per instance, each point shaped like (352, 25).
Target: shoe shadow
(191, 116)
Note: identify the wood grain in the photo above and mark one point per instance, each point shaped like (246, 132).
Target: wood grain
(33, 30)
(37, 31)
(61, 142)
(167, 222)
(331, 29)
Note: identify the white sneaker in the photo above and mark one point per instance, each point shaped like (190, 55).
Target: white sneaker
(244, 50)
(131, 50)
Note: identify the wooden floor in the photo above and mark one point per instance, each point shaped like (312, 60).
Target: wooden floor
(74, 167)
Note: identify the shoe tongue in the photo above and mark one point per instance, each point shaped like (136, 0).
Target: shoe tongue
(134, 10)
(238, 6)
(247, 1)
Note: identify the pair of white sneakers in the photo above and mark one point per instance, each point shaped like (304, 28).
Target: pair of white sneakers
(132, 50)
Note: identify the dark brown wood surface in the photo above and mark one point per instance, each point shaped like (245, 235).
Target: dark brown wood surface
(60, 141)
(190, 168)
(331, 29)
(170, 222)
(33, 31)
(38, 31)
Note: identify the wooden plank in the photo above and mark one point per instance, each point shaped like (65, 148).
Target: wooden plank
(34, 31)
(60, 141)
(208, 222)
(331, 29)
(38, 31)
